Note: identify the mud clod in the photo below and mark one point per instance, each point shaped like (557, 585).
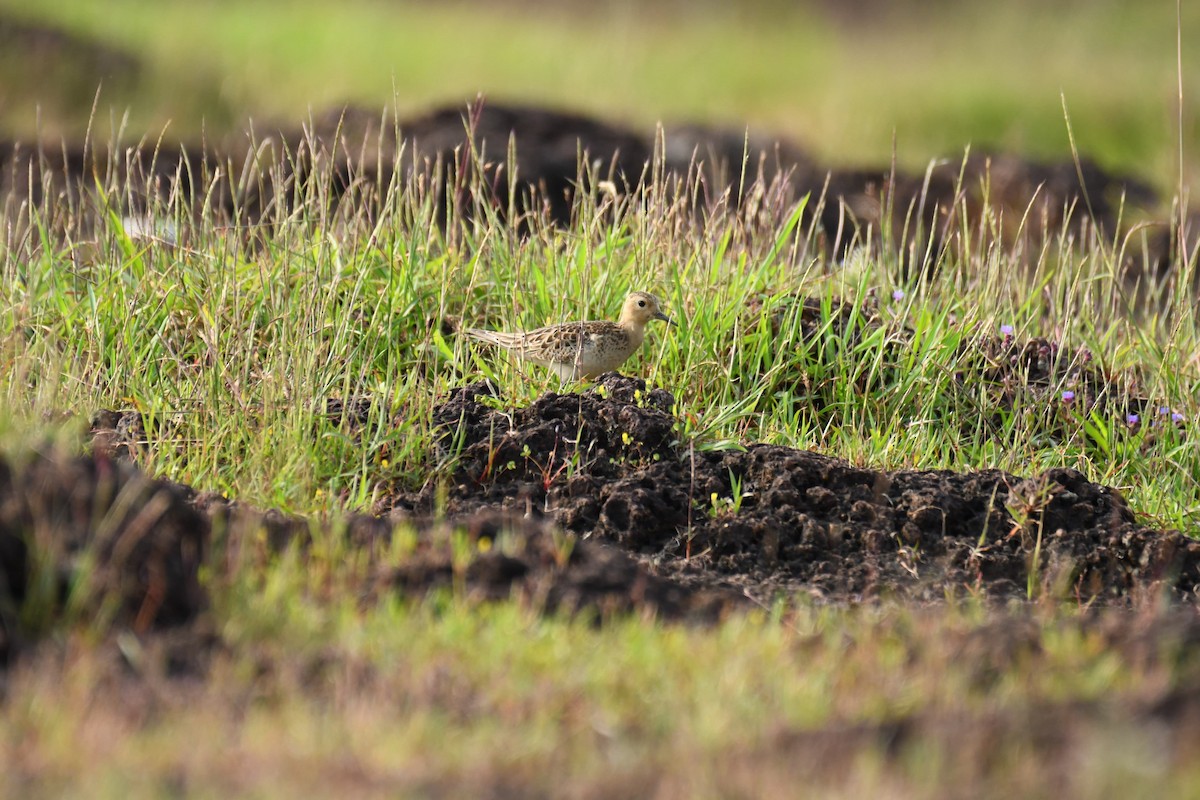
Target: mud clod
(606, 465)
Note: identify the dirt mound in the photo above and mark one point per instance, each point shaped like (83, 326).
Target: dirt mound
(343, 162)
(548, 146)
(93, 538)
(584, 502)
(606, 465)
(1152, 258)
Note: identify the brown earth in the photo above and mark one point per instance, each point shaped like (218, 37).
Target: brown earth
(92, 538)
(774, 521)
(95, 537)
(807, 524)
(586, 503)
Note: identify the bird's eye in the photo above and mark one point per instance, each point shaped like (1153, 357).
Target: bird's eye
(641, 303)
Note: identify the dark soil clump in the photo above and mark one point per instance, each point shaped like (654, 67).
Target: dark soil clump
(605, 465)
(99, 540)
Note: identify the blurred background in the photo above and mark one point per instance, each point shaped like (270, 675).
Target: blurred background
(852, 81)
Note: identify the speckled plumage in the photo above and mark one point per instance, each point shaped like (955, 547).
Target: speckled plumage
(582, 350)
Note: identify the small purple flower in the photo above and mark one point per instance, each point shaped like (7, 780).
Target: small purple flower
(1132, 419)
(1068, 396)
(1176, 417)
(898, 295)
(1007, 330)
(1163, 410)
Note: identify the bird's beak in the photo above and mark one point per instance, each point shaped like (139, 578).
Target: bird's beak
(665, 318)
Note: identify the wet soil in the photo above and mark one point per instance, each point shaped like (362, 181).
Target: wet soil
(95, 538)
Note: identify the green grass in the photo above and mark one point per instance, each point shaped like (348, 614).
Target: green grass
(320, 688)
(237, 349)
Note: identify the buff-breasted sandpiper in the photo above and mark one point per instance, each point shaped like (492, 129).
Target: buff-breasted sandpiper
(582, 350)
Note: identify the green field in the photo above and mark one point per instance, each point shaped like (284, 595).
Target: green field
(303, 679)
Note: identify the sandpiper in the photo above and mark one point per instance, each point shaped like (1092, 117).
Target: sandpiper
(582, 350)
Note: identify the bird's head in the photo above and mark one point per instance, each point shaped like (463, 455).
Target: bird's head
(641, 307)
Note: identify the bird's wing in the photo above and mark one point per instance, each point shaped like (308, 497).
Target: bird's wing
(509, 341)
